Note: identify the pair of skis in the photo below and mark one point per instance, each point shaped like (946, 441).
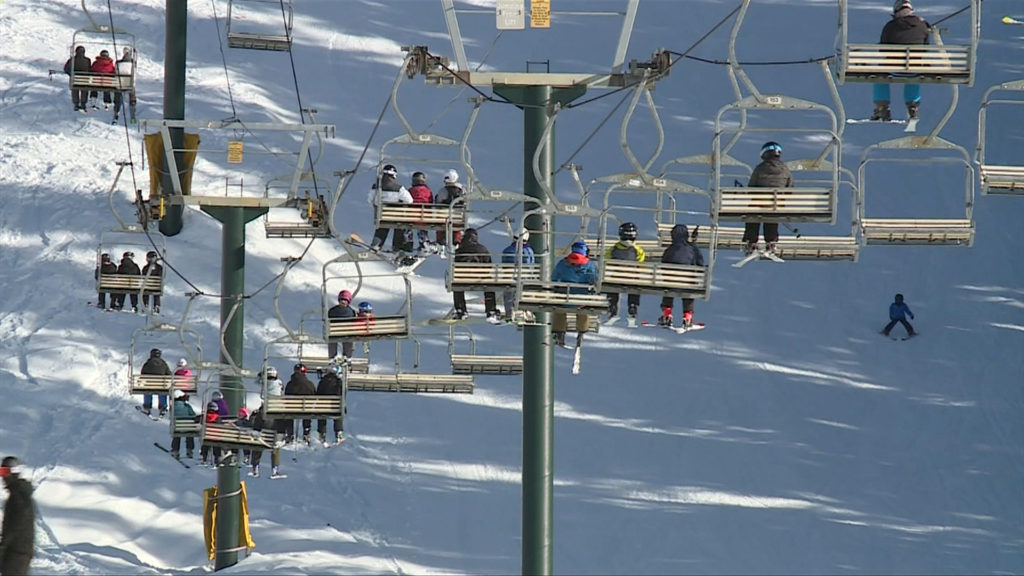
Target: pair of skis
(909, 125)
(757, 254)
(403, 262)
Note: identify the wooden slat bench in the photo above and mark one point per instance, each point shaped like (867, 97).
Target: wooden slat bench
(90, 81)
(295, 406)
(130, 283)
(1002, 179)
(479, 276)
(421, 216)
(840, 248)
(314, 362)
(231, 436)
(410, 382)
(902, 63)
(367, 328)
(259, 41)
(594, 325)
(185, 428)
(492, 365)
(155, 384)
(651, 248)
(654, 278)
(557, 296)
(295, 230)
(776, 204)
(949, 232)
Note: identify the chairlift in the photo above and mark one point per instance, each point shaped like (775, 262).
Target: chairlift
(118, 243)
(407, 381)
(258, 24)
(361, 329)
(94, 40)
(473, 363)
(286, 351)
(998, 178)
(228, 435)
(935, 63)
(304, 215)
(162, 337)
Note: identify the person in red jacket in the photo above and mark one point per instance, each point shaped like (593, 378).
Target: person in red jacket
(421, 194)
(104, 64)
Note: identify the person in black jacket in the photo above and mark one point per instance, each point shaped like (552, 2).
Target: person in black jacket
(342, 309)
(682, 251)
(471, 250)
(156, 366)
(330, 385)
(300, 385)
(79, 63)
(106, 266)
(905, 27)
(17, 542)
(152, 269)
(772, 172)
(129, 267)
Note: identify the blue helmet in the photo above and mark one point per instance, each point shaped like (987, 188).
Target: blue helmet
(580, 247)
(365, 307)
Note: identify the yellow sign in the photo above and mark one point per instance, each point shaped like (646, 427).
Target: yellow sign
(235, 152)
(540, 13)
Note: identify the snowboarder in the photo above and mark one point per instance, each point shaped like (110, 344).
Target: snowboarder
(104, 65)
(422, 194)
(625, 249)
(390, 192)
(905, 27)
(78, 63)
(156, 366)
(17, 541)
(152, 269)
(772, 172)
(300, 385)
(508, 256)
(106, 266)
(576, 268)
(682, 251)
(898, 312)
(451, 192)
(342, 309)
(330, 385)
(127, 267)
(471, 250)
(183, 412)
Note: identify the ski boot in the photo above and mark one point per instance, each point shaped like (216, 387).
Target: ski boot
(275, 472)
(912, 110)
(189, 455)
(749, 248)
(339, 437)
(255, 472)
(175, 455)
(559, 338)
(632, 311)
(769, 247)
(666, 317)
(494, 317)
(882, 112)
(688, 319)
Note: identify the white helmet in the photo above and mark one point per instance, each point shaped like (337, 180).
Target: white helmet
(451, 177)
(182, 363)
(178, 394)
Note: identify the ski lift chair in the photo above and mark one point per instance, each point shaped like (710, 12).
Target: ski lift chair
(473, 363)
(998, 178)
(101, 38)
(154, 337)
(407, 381)
(271, 18)
(226, 434)
(284, 351)
(133, 240)
(308, 211)
(361, 329)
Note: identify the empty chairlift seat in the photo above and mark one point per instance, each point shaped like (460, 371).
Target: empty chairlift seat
(927, 232)
(841, 248)
(409, 382)
(481, 276)
(489, 365)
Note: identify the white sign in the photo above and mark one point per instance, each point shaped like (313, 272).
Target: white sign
(510, 14)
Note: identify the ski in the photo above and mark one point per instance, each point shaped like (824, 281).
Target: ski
(743, 262)
(910, 125)
(1012, 20)
(577, 354)
(610, 321)
(758, 254)
(150, 415)
(403, 263)
(631, 322)
(677, 329)
(157, 444)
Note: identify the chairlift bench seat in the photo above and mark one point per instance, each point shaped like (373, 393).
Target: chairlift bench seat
(157, 384)
(1002, 179)
(421, 216)
(482, 276)
(490, 365)
(820, 248)
(259, 41)
(675, 280)
(907, 63)
(360, 328)
(130, 283)
(927, 232)
(296, 230)
(560, 296)
(316, 362)
(232, 436)
(594, 323)
(776, 204)
(410, 382)
(185, 428)
(302, 406)
(91, 81)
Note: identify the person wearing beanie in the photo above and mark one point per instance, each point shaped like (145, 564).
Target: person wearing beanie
(17, 540)
(905, 27)
(575, 268)
(471, 250)
(343, 309)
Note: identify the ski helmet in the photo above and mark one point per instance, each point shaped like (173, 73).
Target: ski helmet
(243, 413)
(217, 395)
(10, 465)
(390, 170)
(178, 394)
(771, 149)
(104, 53)
(365, 307)
(901, 4)
(151, 256)
(271, 372)
(80, 50)
(419, 179)
(300, 368)
(344, 296)
(580, 247)
(182, 363)
(212, 407)
(627, 231)
(899, 298)
(105, 257)
(451, 177)
(128, 255)
(155, 353)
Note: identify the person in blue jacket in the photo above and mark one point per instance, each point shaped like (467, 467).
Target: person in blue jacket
(898, 312)
(508, 256)
(575, 268)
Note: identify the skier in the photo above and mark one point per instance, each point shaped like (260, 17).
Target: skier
(152, 269)
(105, 66)
(79, 63)
(300, 385)
(223, 411)
(508, 256)
(342, 309)
(471, 250)
(772, 172)
(625, 249)
(330, 385)
(422, 194)
(106, 266)
(183, 412)
(898, 312)
(182, 371)
(155, 366)
(127, 267)
(124, 68)
(17, 541)
(682, 251)
(212, 416)
(905, 27)
(391, 192)
(275, 388)
(256, 421)
(451, 192)
(576, 268)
